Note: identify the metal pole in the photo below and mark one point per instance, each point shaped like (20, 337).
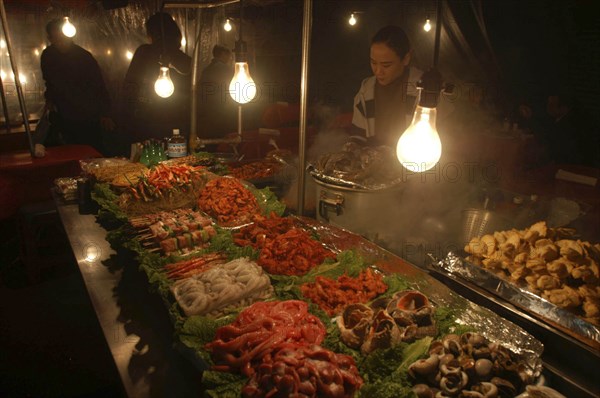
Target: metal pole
(15, 71)
(4, 105)
(240, 120)
(306, 31)
(438, 31)
(194, 90)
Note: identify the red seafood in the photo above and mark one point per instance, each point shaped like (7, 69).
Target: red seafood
(241, 345)
(300, 370)
(262, 230)
(292, 253)
(333, 295)
(227, 200)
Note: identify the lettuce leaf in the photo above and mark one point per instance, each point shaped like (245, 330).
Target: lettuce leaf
(222, 384)
(107, 200)
(268, 201)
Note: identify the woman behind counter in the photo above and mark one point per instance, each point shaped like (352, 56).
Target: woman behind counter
(385, 102)
(148, 115)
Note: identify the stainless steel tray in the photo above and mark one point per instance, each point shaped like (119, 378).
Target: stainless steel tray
(455, 266)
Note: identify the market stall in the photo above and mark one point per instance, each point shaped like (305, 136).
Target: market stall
(438, 267)
(214, 269)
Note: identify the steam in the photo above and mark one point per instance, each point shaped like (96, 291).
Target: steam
(424, 213)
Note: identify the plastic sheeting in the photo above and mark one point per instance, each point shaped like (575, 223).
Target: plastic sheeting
(112, 36)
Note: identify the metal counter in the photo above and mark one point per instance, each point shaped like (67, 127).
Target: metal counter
(135, 322)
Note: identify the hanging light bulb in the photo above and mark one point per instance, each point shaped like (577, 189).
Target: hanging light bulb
(427, 26)
(68, 28)
(227, 26)
(2, 43)
(183, 42)
(2, 75)
(242, 87)
(352, 20)
(164, 85)
(129, 55)
(419, 147)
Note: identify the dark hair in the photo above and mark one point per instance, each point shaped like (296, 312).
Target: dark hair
(162, 29)
(218, 50)
(54, 26)
(395, 38)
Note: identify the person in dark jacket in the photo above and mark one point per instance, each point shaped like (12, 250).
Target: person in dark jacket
(217, 112)
(149, 115)
(75, 91)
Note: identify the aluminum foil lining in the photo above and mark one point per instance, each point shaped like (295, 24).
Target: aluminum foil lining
(489, 324)
(520, 297)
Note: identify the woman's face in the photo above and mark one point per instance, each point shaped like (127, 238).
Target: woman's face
(387, 66)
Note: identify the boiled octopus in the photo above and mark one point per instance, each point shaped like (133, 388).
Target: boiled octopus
(241, 345)
(469, 366)
(406, 316)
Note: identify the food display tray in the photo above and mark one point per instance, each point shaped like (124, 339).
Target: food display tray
(458, 268)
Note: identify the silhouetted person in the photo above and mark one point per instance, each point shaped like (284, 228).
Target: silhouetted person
(570, 137)
(148, 114)
(217, 111)
(75, 91)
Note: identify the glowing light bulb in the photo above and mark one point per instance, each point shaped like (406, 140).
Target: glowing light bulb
(419, 148)
(36, 52)
(129, 55)
(183, 42)
(352, 20)
(68, 28)
(242, 88)
(2, 75)
(23, 79)
(2, 43)
(164, 85)
(427, 26)
(108, 52)
(227, 26)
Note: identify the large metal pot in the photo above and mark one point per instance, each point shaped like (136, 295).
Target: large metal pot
(357, 210)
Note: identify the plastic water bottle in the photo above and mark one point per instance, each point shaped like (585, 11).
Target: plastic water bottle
(176, 146)
(145, 157)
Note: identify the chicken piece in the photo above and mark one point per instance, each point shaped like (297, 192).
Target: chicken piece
(548, 252)
(489, 244)
(512, 243)
(536, 265)
(500, 237)
(591, 308)
(547, 282)
(591, 251)
(532, 282)
(542, 242)
(591, 292)
(594, 267)
(566, 297)
(558, 268)
(540, 228)
(521, 258)
(476, 247)
(570, 249)
(584, 273)
(519, 274)
(496, 261)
